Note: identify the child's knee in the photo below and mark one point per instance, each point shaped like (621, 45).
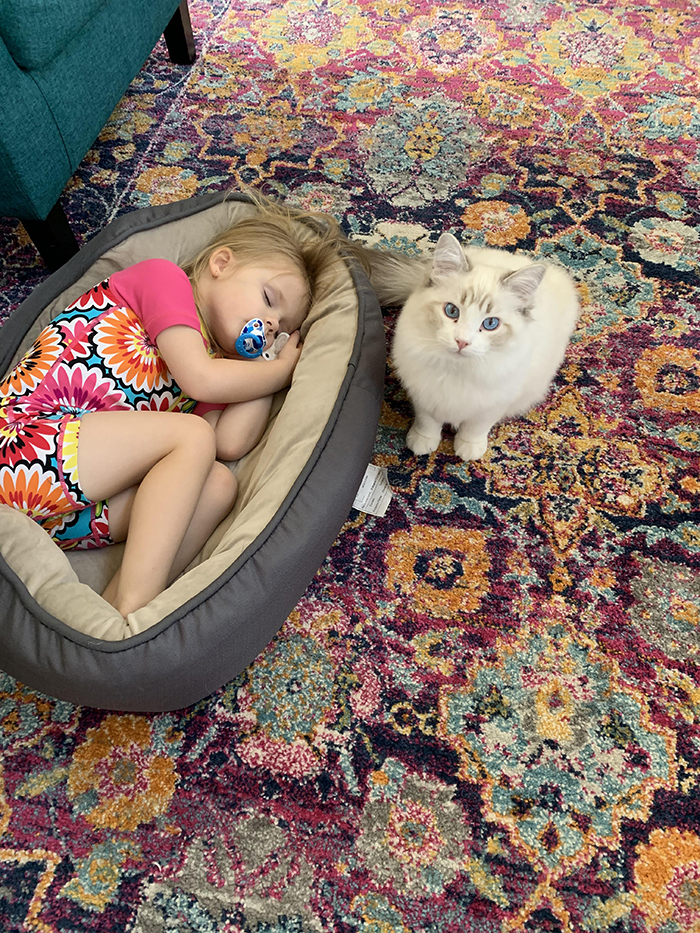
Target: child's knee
(224, 486)
(233, 448)
(198, 435)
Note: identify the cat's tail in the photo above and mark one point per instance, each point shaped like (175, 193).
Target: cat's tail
(393, 275)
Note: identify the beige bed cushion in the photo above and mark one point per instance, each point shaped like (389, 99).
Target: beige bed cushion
(67, 585)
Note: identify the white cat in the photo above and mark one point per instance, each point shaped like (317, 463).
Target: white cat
(480, 338)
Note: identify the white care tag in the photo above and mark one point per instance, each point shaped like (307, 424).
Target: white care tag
(374, 494)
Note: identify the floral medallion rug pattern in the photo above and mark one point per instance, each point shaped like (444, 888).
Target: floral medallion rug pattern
(484, 714)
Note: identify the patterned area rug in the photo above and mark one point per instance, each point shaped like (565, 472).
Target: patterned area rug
(484, 714)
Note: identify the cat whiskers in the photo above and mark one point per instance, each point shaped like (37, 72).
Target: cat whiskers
(479, 360)
(472, 353)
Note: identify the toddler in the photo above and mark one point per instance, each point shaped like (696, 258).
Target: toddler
(111, 425)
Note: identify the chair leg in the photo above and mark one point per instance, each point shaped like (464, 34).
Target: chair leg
(179, 37)
(53, 237)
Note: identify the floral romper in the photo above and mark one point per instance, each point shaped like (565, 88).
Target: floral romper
(94, 356)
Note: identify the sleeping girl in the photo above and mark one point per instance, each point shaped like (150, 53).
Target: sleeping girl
(111, 425)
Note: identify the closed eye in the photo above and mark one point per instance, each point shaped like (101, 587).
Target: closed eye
(490, 323)
(268, 300)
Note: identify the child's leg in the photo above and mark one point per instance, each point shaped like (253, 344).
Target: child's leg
(240, 426)
(170, 457)
(215, 502)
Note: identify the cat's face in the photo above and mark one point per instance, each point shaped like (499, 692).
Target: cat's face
(468, 312)
(468, 317)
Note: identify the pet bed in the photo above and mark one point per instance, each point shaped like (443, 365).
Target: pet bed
(296, 488)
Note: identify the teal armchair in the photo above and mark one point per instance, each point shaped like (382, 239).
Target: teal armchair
(64, 65)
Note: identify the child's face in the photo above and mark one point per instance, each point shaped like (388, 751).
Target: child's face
(233, 294)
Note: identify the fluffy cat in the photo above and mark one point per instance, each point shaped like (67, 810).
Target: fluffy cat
(480, 337)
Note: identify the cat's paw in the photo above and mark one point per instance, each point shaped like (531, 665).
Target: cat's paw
(472, 448)
(422, 443)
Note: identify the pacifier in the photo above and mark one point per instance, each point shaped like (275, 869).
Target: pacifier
(251, 342)
(277, 345)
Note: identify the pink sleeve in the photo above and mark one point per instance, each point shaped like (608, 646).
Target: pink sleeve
(159, 292)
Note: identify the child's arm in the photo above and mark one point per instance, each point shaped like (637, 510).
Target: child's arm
(221, 380)
(239, 427)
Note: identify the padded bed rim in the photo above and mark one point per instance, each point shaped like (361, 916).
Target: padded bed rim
(211, 638)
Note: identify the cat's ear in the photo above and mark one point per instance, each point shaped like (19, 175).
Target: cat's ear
(523, 282)
(448, 258)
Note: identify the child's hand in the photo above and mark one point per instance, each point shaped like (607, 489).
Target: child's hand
(290, 352)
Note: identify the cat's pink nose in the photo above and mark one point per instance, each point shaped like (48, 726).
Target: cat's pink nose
(462, 344)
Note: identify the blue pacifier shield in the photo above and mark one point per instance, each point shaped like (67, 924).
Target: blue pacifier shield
(251, 341)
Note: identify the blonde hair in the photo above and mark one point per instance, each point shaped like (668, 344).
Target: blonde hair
(309, 242)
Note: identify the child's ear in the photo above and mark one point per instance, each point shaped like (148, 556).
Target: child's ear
(220, 260)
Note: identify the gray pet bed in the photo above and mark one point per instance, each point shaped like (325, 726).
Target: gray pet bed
(57, 635)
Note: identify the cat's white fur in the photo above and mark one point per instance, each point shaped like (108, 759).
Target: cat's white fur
(455, 371)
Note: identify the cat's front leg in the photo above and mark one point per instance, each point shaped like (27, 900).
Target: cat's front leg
(472, 440)
(425, 433)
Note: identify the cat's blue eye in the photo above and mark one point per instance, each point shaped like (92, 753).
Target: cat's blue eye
(452, 311)
(490, 323)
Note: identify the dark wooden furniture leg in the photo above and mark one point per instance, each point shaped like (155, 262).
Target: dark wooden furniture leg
(53, 237)
(179, 37)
